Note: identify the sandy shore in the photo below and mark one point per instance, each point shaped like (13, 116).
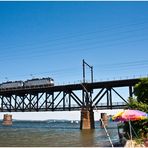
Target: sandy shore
(133, 144)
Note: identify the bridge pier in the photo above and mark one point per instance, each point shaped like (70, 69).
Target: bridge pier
(87, 118)
(104, 119)
(7, 119)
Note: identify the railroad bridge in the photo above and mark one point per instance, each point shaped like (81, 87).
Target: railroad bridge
(82, 96)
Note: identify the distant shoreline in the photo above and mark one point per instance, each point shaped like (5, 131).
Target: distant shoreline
(63, 115)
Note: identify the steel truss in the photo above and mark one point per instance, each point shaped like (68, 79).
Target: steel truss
(65, 98)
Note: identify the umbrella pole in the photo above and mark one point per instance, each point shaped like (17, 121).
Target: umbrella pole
(130, 132)
(107, 133)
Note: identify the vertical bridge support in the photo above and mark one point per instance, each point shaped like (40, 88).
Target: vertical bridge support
(7, 120)
(87, 118)
(104, 119)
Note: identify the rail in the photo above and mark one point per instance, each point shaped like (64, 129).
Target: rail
(78, 86)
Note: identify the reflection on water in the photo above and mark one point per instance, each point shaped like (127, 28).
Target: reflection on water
(87, 137)
(52, 134)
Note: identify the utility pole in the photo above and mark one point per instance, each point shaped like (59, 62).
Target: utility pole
(91, 68)
(85, 92)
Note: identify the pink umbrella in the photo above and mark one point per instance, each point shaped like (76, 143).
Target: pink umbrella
(130, 115)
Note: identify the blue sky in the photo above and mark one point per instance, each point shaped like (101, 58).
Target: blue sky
(42, 39)
(50, 39)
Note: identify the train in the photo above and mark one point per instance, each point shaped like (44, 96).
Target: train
(36, 82)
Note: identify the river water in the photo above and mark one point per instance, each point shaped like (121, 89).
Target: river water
(55, 133)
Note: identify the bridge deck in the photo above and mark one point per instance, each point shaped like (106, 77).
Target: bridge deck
(62, 97)
(89, 86)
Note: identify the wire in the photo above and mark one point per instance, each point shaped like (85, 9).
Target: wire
(104, 67)
(75, 35)
(47, 44)
(74, 49)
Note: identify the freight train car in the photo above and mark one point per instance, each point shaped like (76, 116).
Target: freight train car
(11, 84)
(39, 82)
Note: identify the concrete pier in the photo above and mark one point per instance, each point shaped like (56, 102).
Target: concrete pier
(104, 118)
(7, 119)
(87, 119)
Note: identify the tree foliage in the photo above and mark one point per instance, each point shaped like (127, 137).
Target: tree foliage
(134, 104)
(139, 102)
(141, 90)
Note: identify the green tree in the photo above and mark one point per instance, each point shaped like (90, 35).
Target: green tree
(141, 91)
(135, 104)
(139, 102)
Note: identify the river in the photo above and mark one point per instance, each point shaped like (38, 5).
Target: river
(55, 133)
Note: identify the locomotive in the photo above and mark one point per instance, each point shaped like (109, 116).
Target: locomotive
(39, 82)
(11, 84)
(28, 83)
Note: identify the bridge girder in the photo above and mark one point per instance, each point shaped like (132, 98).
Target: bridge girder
(65, 98)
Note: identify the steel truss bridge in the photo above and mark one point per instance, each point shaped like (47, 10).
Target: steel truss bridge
(65, 97)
